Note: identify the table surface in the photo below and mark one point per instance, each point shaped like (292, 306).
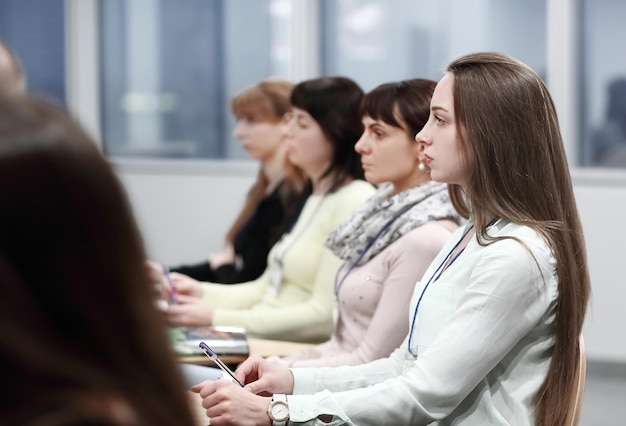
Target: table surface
(261, 347)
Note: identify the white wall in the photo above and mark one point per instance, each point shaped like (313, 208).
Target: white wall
(184, 215)
(601, 199)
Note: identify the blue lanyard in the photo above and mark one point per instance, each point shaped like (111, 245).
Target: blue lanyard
(431, 279)
(339, 283)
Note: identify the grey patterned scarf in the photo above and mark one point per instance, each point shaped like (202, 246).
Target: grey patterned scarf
(386, 218)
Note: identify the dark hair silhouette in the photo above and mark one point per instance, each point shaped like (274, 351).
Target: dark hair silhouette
(407, 100)
(80, 338)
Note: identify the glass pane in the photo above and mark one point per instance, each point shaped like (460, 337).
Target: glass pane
(376, 41)
(170, 67)
(35, 31)
(603, 78)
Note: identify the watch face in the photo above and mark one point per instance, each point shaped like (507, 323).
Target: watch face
(279, 411)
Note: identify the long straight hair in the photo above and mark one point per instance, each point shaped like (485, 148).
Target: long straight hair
(519, 172)
(80, 337)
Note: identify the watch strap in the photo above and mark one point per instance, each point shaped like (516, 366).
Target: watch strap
(281, 399)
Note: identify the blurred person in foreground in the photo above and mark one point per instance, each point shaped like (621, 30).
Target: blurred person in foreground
(81, 341)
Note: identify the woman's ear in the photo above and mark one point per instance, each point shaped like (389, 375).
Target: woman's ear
(421, 157)
(420, 152)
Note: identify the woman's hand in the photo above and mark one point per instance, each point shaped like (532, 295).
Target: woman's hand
(227, 403)
(263, 377)
(225, 257)
(182, 284)
(190, 312)
(155, 271)
(161, 287)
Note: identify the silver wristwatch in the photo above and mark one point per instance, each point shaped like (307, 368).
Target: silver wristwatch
(279, 410)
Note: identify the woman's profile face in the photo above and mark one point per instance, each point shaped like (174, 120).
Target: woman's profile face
(260, 138)
(440, 139)
(388, 154)
(307, 146)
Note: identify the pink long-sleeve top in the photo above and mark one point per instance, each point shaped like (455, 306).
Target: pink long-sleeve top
(373, 301)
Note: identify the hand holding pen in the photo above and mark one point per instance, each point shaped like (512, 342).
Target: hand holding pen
(171, 289)
(209, 352)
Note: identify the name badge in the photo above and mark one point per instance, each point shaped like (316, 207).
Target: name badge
(409, 360)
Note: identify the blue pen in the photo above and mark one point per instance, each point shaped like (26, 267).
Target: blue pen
(172, 292)
(209, 352)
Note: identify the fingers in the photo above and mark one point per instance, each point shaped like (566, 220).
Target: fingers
(182, 279)
(155, 270)
(185, 299)
(262, 386)
(198, 387)
(257, 379)
(227, 403)
(214, 391)
(185, 285)
(247, 371)
(179, 276)
(180, 315)
(190, 311)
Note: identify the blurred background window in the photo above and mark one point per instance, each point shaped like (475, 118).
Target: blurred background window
(35, 30)
(376, 41)
(603, 83)
(170, 67)
(167, 69)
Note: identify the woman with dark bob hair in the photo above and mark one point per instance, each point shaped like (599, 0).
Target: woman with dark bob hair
(81, 341)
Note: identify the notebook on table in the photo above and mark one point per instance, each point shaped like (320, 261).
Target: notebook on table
(223, 340)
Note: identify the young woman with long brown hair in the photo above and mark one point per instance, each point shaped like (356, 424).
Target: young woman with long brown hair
(495, 321)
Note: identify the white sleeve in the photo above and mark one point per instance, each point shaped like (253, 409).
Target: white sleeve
(504, 297)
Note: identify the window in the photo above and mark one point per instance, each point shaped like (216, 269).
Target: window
(166, 69)
(35, 31)
(376, 41)
(170, 67)
(603, 84)
(161, 100)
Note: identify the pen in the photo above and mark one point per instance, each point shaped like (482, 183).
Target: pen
(209, 352)
(172, 292)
